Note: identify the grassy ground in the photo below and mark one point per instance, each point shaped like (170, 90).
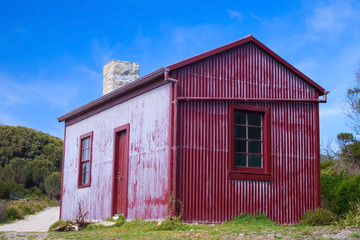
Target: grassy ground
(244, 228)
(149, 230)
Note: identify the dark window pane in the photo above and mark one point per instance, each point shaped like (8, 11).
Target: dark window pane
(255, 147)
(254, 119)
(254, 133)
(239, 132)
(240, 160)
(255, 161)
(240, 146)
(239, 117)
(85, 173)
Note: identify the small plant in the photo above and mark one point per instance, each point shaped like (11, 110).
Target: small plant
(120, 221)
(319, 217)
(14, 213)
(170, 224)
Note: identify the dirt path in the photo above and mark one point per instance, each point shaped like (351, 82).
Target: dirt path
(39, 222)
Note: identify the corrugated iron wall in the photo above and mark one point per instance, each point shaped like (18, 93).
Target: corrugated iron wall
(207, 194)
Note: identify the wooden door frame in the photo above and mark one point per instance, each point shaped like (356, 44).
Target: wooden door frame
(117, 130)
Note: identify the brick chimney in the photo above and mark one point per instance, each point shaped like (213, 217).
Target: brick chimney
(119, 73)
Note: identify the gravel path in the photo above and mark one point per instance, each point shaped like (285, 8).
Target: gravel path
(39, 222)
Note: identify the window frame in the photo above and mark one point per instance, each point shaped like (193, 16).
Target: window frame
(251, 173)
(80, 169)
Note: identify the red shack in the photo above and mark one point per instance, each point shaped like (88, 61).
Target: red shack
(230, 131)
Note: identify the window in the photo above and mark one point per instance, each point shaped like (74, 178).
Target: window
(85, 157)
(249, 143)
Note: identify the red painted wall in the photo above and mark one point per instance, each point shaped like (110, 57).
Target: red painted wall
(208, 195)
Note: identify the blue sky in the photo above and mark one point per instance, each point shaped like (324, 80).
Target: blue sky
(52, 52)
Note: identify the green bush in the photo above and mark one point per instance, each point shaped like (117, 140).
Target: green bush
(5, 190)
(3, 216)
(330, 184)
(351, 218)
(120, 221)
(348, 192)
(319, 217)
(14, 213)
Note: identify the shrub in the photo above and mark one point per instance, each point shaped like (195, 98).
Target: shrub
(14, 213)
(319, 217)
(3, 216)
(348, 192)
(5, 190)
(330, 184)
(120, 221)
(352, 218)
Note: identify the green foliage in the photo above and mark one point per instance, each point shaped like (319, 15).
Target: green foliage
(28, 157)
(13, 213)
(330, 184)
(351, 218)
(348, 192)
(59, 223)
(53, 184)
(3, 216)
(120, 221)
(171, 224)
(5, 190)
(319, 217)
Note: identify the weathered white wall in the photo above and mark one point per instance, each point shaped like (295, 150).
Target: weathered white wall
(148, 116)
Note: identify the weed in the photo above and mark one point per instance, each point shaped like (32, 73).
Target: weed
(170, 224)
(319, 217)
(120, 221)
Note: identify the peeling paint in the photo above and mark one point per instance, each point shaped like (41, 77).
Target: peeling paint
(147, 115)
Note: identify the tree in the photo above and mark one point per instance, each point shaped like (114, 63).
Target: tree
(53, 185)
(352, 109)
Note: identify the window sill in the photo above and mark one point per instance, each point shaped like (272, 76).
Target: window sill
(250, 176)
(85, 185)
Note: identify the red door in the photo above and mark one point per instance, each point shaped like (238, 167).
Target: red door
(121, 156)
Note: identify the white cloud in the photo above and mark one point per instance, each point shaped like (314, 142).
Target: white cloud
(235, 15)
(332, 19)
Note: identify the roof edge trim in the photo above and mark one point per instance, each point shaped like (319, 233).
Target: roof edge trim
(112, 95)
(249, 38)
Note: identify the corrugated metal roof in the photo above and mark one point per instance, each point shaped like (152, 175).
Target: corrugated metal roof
(141, 82)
